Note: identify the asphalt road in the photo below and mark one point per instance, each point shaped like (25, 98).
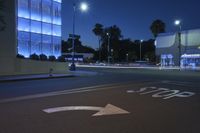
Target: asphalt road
(112, 101)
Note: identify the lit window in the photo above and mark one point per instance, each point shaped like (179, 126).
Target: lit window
(56, 13)
(56, 30)
(35, 43)
(46, 11)
(57, 46)
(35, 26)
(36, 10)
(60, 1)
(23, 10)
(47, 45)
(46, 28)
(23, 43)
(23, 24)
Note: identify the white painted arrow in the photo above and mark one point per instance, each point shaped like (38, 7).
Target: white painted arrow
(109, 109)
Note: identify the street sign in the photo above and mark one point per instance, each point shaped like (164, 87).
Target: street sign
(109, 109)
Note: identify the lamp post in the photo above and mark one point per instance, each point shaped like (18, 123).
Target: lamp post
(178, 23)
(141, 49)
(83, 8)
(127, 58)
(108, 34)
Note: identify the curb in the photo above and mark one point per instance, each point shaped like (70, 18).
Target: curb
(34, 78)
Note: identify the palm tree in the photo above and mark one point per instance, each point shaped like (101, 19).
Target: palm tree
(115, 32)
(158, 26)
(2, 20)
(98, 31)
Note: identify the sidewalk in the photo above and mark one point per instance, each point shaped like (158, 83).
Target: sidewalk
(45, 76)
(32, 77)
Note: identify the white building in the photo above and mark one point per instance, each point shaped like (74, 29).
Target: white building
(167, 48)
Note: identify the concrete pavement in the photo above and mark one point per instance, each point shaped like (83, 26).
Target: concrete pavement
(44, 76)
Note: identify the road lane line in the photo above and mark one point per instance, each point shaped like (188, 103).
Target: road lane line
(77, 90)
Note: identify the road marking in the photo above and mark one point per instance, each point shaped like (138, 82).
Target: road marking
(178, 83)
(72, 91)
(109, 109)
(164, 93)
(56, 93)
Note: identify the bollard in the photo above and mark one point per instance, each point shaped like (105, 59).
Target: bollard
(50, 72)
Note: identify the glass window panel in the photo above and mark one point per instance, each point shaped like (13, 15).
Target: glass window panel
(57, 46)
(23, 43)
(35, 26)
(23, 24)
(47, 45)
(23, 9)
(46, 29)
(35, 43)
(46, 11)
(60, 1)
(56, 13)
(56, 30)
(24, 36)
(36, 10)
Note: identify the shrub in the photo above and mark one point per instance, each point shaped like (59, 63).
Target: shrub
(20, 56)
(61, 59)
(34, 57)
(52, 58)
(43, 57)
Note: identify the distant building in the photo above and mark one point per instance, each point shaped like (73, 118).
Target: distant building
(78, 57)
(167, 48)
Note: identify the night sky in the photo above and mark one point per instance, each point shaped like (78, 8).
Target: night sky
(133, 17)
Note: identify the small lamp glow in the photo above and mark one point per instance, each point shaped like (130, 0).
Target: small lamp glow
(84, 7)
(177, 22)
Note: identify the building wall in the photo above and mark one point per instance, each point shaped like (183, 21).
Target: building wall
(168, 44)
(9, 64)
(8, 36)
(39, 27)
(27, 66)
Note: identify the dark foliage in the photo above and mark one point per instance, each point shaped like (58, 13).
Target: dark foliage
(43, 57)
(158, 26)
(79, 48)
(61, 59)
(52, 58)
(20, 56)
(2, 17)
(34, 57)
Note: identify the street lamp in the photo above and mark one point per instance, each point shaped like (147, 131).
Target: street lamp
(108, 34)
(141, 49)
(127, 57)
(178, 23)
(83, 7)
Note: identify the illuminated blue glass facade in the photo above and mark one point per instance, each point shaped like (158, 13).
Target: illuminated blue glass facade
(39, 27)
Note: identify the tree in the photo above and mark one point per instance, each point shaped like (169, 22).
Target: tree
(98, 31)
(158, 26)
(79, 48)
(113, 35)
(2, 19)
